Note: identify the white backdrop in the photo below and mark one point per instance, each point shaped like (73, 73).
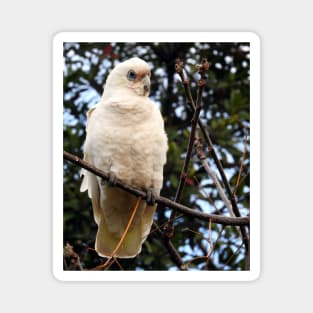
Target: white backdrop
(27, 29)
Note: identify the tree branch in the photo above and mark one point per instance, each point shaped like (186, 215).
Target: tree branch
(205, 133)
(186, 84)
(202, 157)
(171, 249)
(224, 220)
(169, 229)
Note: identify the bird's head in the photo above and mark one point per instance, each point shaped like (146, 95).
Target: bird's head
(133, 74)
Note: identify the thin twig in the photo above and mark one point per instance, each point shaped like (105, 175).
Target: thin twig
(233, 255)
(118, 264)
(205, 133)
(210, 172)
(241, 163)
(186, 84)
(230, 205)
(210, 239)
(162, 225)
(169, 229)
(224, 220)
(233, 201)
(242, 179)
(218, 186)
(213, 247)
(205, 194)
(171, 249)
(202, 157)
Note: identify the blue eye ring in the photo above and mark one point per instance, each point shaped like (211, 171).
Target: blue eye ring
(131, 75)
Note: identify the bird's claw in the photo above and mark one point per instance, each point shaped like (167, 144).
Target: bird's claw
(151, 196)
(111, 181)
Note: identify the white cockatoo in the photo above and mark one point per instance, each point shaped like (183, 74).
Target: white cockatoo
(125, 138)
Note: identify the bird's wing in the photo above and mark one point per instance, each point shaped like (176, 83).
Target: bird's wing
(83, 172)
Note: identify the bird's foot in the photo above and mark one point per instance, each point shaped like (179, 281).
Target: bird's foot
(111, 181)
(151, 196)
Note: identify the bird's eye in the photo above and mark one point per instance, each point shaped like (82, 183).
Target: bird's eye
(131, 75)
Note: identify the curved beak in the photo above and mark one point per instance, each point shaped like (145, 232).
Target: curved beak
(146, 85)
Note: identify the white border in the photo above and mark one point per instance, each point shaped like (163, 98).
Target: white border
(58, 41)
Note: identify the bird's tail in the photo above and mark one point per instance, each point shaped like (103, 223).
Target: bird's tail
(132, 239)
(113, 220)
(118, 208)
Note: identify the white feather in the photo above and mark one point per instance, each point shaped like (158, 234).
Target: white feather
(125, 136)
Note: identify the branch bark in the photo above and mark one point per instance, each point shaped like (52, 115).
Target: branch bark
(186, 84)
(202, 157)
(224, 220)
(169, 229)
(171, 249)
(205, 133)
